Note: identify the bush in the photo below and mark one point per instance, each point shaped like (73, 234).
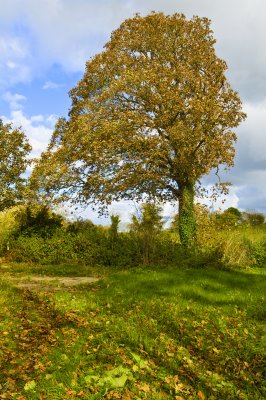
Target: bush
(30, 220)
(53, 241)
(259, 253)
(234, 252)
(37, 249)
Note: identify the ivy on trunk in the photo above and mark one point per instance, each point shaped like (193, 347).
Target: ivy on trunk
(187, 219)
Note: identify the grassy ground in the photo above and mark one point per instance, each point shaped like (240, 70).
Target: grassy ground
(153, 333)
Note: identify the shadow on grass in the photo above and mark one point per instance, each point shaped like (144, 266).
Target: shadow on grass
(206, 287)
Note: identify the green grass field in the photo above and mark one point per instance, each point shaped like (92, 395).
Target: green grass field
(147, 333)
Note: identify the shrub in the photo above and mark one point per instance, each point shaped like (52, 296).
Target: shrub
(30, 220)
(37, 249)
(259, 253)
(254, 218)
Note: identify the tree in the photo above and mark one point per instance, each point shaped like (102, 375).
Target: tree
(152, 114)
(14, 149)
(234, 211)
(254, 218)
(147, 224)
(113, 230)
(230, 218)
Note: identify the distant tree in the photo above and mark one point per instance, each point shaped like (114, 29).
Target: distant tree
(147, 224)
(38, 219)
(28, 220)
(229, 218)
(254, 218)
(14, 151)
(226, 219)
(234, 211)
(153, 114)
(113, 230)
(80, 225)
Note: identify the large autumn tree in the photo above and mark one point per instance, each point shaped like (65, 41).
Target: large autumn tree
(14, 151)
(153, 114)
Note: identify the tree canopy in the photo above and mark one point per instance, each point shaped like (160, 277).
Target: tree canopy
(14, 149)
(153, 114)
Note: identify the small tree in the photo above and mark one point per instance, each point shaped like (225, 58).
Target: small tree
(113, 230)
(147, 225)
(254, 218)
(229, 218)
(153, 113)
(14, 149)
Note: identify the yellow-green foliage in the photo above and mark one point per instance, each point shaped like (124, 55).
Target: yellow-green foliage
(29, 220)
(14, 151)
(10, 224)
(233, 250)
(36, 234)
(240, 246)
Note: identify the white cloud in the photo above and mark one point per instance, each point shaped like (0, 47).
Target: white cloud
(52, 85)
(11, 65)
(37, 128)
(70, 32)
(14, 100)
(52, 119)
(125, 209)
(248, 176)
(37, 118)
(14, 62)
(222, 202)
(254, 131)
(250, 148)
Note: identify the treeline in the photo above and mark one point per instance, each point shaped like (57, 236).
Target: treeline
(36, 234)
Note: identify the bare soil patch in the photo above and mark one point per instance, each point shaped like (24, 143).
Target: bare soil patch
(51, 283)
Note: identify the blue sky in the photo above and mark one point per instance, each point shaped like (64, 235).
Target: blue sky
(44, 45)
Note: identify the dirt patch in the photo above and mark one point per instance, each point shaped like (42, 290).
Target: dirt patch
(51, 283)
(65, 280)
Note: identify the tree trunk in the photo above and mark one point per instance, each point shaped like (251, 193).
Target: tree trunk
(187, 219)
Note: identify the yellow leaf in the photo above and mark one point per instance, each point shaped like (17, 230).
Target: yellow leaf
(144, 387)
(30, 386)
(201, 395)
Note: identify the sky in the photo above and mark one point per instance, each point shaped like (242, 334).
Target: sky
(44, 45)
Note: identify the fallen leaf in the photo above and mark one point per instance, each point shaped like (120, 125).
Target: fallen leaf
(30, 386)
(144, 387)
(70, 393)
(201, 395)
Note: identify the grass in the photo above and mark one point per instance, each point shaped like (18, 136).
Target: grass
(153, 333)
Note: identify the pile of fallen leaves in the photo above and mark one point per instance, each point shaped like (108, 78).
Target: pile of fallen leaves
(31, 330)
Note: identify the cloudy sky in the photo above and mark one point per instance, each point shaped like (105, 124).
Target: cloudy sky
(44, 45)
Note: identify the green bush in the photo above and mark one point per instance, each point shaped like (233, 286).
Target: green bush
(36, 249)
(259, 253)
(37, 235)
(30, 220)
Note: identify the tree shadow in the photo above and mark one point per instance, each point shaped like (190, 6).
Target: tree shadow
(205, 287)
